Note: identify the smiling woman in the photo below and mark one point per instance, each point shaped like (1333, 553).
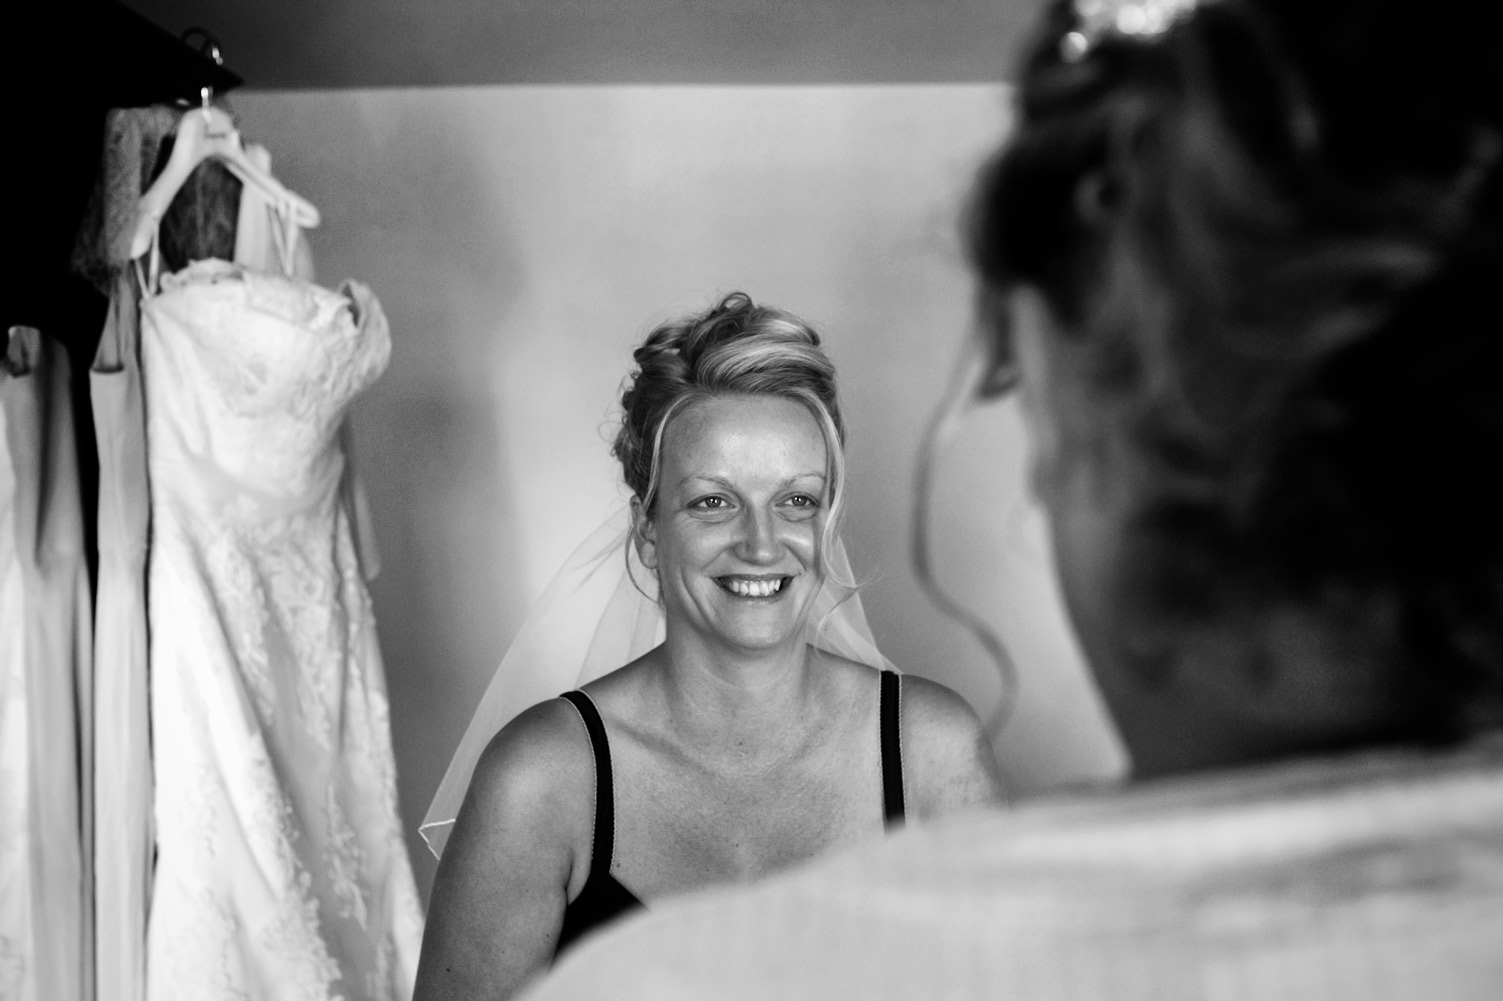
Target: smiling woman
(734, 538)
(744, 743)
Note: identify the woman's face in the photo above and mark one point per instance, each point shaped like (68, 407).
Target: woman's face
(736, 529)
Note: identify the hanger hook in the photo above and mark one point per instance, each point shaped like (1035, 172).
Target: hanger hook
(208, 47)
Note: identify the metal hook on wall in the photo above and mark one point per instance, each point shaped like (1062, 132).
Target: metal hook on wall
(208, 47)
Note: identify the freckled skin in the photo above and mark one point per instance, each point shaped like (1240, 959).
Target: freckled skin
(741, 493)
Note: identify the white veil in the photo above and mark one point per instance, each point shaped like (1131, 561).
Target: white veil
(592, 619)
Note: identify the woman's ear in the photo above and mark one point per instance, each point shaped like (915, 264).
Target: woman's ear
(644, 535)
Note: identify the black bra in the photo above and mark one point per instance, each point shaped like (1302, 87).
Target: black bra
(603, 898)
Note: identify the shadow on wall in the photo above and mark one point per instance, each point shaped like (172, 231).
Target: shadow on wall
(405, 212)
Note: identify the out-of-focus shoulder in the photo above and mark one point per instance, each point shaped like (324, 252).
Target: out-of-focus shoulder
(938, 712)
(947, 755)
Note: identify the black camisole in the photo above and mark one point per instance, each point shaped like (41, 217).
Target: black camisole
(603, 898)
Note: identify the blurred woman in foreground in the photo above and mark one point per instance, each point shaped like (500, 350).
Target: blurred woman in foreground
(1241, 259)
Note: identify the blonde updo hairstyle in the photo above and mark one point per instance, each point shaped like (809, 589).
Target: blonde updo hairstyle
(735, 348)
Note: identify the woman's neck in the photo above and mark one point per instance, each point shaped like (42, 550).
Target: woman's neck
(1285, 683)
(738, 704)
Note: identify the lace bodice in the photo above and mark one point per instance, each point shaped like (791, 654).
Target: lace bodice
(266, 368)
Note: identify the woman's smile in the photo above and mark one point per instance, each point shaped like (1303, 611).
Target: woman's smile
(762, 588)
(736, 532)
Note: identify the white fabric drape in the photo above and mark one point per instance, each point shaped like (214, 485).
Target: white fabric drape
(44, 682)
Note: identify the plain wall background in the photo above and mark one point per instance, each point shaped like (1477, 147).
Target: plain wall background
(524, 239)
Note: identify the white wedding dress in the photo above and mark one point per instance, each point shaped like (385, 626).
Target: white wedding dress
(281, 870)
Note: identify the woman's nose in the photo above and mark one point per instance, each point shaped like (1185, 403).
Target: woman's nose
(759, 541)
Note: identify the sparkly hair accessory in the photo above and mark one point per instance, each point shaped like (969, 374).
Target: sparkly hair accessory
(1140, 19)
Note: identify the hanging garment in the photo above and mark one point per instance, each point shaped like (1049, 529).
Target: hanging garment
(44, 681)
(200, 223)
(281, 869)
(122, 763)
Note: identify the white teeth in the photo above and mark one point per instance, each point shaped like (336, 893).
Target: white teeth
(754, 588)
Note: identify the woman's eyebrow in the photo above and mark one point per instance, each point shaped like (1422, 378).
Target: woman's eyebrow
(719, 481)
(727, 484)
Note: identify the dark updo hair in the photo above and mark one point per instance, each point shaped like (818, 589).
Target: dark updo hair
(734, 348)
(1272, 240)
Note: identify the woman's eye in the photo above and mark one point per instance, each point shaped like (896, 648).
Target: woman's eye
(802, 502)
(709, 504)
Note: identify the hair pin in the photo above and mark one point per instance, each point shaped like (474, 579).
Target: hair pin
(1140, 19)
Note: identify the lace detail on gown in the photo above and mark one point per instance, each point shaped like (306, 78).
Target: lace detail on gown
(276, 799)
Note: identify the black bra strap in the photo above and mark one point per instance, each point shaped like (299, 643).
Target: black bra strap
(605, 796)
(892, 748)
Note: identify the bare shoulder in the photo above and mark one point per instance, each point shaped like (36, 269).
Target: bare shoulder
(539, 762)
(519, 846)
(851, 680)
(934, 712)
(619, 692)
(948, 761)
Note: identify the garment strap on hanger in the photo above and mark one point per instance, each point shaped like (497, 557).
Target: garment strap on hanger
(147, 278)
(284, 239)
(203, 133)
